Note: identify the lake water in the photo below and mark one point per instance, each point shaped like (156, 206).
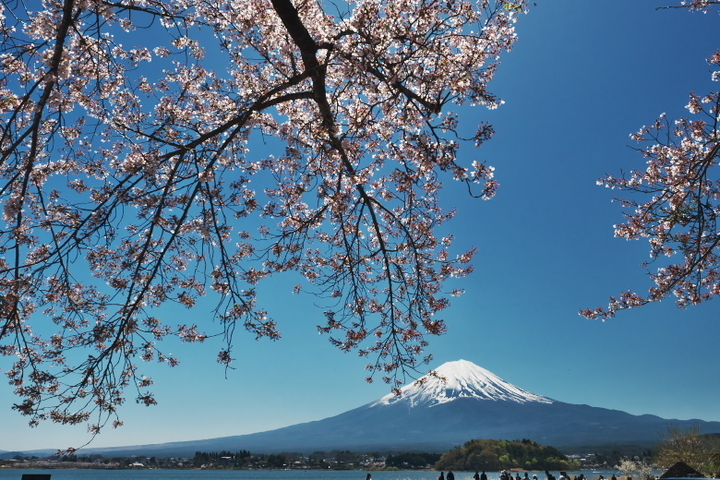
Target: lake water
(11, 474)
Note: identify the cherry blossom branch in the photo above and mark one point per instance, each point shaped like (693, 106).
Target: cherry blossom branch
(127, 180)
(681, 215)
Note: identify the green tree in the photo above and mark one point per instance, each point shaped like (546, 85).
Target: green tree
(502, 454)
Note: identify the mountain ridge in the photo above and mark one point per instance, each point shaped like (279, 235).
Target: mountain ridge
(436, 415)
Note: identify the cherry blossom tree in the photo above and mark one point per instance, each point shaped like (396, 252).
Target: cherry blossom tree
(131, 178)
(690, 446)
(675, 201)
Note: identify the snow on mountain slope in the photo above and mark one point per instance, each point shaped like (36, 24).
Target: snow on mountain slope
(460, 379)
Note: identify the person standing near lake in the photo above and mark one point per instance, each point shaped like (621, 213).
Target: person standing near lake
(442, 476)
(450, 475)
(476, 476)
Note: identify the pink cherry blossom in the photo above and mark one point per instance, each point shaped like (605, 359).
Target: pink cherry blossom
(675, 203)
(129, 178)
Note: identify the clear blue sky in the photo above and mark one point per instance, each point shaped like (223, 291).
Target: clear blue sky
(582, 77)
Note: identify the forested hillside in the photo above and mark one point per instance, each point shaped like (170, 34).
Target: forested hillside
(494, 455)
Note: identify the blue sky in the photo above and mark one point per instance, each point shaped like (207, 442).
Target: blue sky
(582, 77)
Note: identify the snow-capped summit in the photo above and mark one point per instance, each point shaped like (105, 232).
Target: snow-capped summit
(460, 379)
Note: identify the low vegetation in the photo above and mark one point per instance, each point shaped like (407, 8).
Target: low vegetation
(412, 460)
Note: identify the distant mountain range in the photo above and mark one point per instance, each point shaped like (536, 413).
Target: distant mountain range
(463, 402)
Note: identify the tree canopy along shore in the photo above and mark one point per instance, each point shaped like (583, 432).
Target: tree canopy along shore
(495, 455)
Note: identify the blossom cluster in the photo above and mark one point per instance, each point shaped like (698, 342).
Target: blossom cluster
(675, 203)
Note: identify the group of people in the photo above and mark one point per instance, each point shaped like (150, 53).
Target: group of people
(505, 475)
(451, 476)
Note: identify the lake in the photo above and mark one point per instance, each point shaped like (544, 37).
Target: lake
(11, 474)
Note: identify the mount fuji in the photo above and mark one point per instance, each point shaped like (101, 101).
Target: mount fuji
(456, 380)
(459, 402)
